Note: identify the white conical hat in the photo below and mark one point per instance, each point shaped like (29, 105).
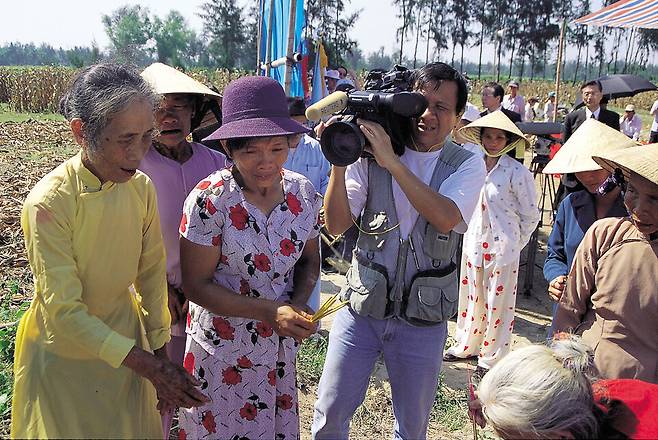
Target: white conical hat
(592, 138)
(165, 79)
(642, 160)
(499, 120)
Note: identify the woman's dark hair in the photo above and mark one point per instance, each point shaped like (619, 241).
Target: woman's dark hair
(98, 92)
(296, 106)
(434, 74)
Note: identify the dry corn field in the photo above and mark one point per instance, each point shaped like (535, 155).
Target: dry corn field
(38, 89)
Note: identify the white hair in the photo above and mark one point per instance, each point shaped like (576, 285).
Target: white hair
(541, 391)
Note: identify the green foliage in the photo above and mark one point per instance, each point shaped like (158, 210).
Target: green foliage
(225, 30)
(326, 19)
(9, 313)
(310, 358)
(129, 28)
(34, 89)
(175, 43)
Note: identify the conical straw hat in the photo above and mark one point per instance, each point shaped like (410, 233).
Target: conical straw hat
(592, 138)
(642, 160)
(165, 79)
(497, 119)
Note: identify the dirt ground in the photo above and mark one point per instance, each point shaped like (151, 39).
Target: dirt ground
(29, 150)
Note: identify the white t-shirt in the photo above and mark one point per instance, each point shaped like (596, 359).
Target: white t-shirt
(462, 187)
(654, 124)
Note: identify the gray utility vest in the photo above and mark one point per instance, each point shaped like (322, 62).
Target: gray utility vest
(413, 279)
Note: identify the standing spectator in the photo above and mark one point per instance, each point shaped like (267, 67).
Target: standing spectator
(580, 209)
(250, 260)
(653, 137)
(331, 77)
(610, 296)
(530, 111)
(175, 166)
(549, 107)
(513, 101)
(592, 93)
(502, 223)
(305, 157)
(471, 113)
(631, 123)
(492, 98)
(90, 358)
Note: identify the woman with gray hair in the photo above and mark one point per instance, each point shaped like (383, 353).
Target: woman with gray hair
(540, 392)
(90, 357)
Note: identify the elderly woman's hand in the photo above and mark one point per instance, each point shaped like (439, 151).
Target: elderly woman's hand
(173, 385)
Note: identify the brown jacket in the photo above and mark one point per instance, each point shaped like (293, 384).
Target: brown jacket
(611, 299)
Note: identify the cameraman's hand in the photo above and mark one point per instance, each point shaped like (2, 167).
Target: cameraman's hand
(322, 125)
(380, 142)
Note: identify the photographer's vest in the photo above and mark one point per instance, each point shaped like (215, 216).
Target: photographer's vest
(413, 279)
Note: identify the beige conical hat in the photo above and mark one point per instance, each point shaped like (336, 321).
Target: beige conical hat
(165, 79)
(590, 139)
(497, 119)
(642, 160)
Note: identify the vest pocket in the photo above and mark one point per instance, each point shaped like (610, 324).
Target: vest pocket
(366, 289)
(438, 246)
(432, 299)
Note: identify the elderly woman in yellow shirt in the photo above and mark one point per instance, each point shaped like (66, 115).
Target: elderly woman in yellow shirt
(90, 357)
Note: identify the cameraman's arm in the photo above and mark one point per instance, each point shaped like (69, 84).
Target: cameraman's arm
(337, 214)
(440, 211)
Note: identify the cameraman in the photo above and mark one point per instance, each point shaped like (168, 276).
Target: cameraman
(402, 284)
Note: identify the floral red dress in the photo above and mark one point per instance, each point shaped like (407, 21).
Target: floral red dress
(246, 369)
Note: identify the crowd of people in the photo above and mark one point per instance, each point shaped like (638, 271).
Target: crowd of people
(172, 276)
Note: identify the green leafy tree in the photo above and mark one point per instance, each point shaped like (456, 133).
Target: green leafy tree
(327, 19)
(129, 29)
(224, 30)
(173, 39)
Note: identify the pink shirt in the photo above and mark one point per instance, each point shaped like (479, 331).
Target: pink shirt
(173, 182)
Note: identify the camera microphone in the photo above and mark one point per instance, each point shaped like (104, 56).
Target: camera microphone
(327, 106)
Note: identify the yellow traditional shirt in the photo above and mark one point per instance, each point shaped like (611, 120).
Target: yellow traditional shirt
(87, 245)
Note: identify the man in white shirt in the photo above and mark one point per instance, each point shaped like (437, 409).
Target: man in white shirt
(630, 123)
(513, 101)
(549, 107)
(397, 197)
(653, 136)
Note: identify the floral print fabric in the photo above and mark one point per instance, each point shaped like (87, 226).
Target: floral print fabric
(247, 370)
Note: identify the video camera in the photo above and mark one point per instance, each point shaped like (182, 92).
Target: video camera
(386, 100)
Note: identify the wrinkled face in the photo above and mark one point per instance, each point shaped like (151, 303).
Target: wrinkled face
(441, 115)
(512, 91)
(123, 143)
(592, 97)
(173, 119)
(641, 200)
(261, 161)
(591, 180)
(494, 140)
(489, 101)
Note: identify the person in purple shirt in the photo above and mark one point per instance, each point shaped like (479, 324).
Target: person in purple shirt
(175, 166)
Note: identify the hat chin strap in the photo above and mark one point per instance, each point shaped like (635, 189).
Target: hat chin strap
(507, 148)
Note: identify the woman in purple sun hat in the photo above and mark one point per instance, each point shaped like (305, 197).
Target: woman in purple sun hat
(250, 260)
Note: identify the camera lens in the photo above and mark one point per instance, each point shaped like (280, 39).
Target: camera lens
(342, 143)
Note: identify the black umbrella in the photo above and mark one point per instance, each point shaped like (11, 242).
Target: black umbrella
(621, 86)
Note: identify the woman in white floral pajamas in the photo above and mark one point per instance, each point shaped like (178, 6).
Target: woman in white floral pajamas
(499, 229)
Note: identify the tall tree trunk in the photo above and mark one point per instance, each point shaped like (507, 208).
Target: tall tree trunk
(430, 22)
(454, 46)
(532, 64)
(522, 66)
(628, 50)
(575, 73)
(587, 59)
(420, 12)
(404, 30)
(511, 59)
(480, 57)
(461, 61)
(543, 74)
